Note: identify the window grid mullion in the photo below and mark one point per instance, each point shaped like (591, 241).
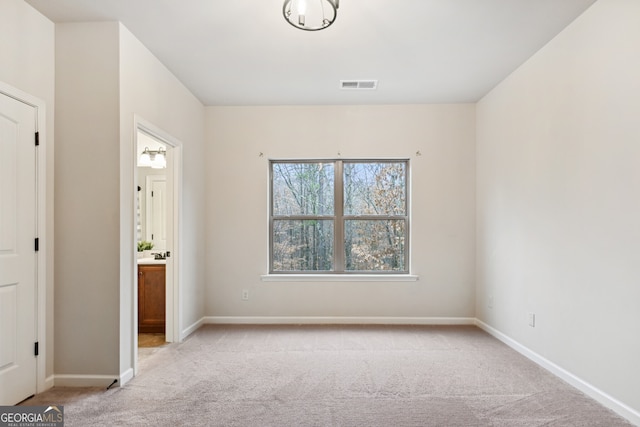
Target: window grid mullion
(302, 217)
(338, 208)
(373, 217)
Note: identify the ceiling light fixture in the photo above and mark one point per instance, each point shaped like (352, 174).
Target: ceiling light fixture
(310, 15)
(156, 159)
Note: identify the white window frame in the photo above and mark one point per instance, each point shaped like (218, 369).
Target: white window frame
(339, 218)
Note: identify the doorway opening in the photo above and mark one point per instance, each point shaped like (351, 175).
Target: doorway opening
(156, 219)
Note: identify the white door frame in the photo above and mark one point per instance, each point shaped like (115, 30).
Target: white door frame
(174, 179)
(42, 256)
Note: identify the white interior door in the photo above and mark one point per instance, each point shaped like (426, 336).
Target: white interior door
(17, 251)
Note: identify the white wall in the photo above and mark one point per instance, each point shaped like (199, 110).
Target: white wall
(104, 77)
(443, 204)
(558, 211)
(87, 201)
(150, 91)
(27, 57)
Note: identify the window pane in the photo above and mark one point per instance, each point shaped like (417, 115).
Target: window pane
(375, 245)
(302, 245)
(374, 188)
(303, 188)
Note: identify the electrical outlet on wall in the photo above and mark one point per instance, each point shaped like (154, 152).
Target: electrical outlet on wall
(245, 294)
(532, 320)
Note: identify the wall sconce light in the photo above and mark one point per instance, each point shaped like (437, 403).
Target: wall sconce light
(310, 15)
(156, 159)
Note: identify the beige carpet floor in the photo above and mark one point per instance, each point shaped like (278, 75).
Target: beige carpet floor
(334, 376)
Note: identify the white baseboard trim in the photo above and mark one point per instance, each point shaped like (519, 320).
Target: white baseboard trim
(588, 389)
(330, 320)
(125, 377)
(70, 380)
(48, 383)
(191, 329)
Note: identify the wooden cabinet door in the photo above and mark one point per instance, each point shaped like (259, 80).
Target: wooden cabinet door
(151, 298)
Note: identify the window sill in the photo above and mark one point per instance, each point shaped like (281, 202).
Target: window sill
(339, 278)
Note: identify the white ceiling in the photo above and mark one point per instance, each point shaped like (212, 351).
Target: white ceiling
(242, 52)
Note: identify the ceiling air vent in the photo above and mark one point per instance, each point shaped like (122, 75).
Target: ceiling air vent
(358, 84)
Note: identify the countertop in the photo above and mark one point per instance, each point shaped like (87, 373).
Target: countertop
(151, 261)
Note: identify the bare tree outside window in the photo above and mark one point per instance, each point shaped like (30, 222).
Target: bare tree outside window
(339, 216)
(375, 216)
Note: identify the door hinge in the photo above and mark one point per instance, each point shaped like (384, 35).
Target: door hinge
(37, 244)
(36, 351)
(37, 138)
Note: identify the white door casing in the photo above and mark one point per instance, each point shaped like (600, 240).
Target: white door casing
(18, 263)
(173, 177)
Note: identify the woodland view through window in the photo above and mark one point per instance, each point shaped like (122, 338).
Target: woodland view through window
(339, 216)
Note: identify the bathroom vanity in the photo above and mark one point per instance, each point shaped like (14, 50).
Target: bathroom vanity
(151, 295)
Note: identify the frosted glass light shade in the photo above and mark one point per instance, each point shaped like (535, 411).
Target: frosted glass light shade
(310, 15)
(159, 161)
(145, 158)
